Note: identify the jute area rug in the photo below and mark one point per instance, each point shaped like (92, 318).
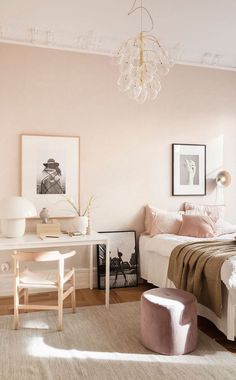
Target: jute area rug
(100, 344)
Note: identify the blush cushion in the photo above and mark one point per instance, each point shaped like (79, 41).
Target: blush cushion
(216, 213)
(150, 213)
(161, 221)
(166, 223)
(200, 226)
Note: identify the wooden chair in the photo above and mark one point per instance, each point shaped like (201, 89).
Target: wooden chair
(25, 280)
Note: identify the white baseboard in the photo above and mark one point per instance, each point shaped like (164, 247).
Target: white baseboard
(81, 280)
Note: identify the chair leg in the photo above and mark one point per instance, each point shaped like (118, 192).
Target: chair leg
(60, 309)
(73, 299)
(26, 296)
(16, 310)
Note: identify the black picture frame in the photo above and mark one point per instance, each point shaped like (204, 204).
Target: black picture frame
(188, 169)
(123, 260)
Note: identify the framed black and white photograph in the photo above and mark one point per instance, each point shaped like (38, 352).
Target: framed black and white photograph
(50, 172)
(188, 169)
(123, 260)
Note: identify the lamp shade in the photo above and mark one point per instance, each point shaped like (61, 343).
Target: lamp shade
(16, 208)
(223, 179)
(13, 211)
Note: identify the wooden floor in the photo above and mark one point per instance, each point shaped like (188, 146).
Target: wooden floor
(87, 297)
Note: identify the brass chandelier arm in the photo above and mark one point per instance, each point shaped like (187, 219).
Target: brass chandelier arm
(152, 38)
(133, 9)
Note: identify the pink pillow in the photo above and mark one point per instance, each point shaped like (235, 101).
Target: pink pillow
(200, 226)
(166, 222)
(150, 213)
(214, 211)
(161, 221)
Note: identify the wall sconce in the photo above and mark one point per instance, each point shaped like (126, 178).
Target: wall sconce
(223, 180)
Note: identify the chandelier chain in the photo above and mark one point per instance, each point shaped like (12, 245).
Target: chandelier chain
(141, 7)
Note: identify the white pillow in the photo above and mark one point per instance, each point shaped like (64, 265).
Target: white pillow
(222, 227)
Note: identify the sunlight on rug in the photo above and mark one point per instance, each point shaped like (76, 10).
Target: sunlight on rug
(38, 348)
(100, 344)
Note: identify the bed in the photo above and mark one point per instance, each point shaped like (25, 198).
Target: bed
(154, 258)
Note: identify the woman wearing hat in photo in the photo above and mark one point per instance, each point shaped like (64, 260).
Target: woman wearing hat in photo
(51, 179)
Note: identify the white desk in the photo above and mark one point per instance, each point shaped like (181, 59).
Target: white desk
(32, 241)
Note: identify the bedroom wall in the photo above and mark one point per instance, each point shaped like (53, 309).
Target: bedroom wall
(125, 147)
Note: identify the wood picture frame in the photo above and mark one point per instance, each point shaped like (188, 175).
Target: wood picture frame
(50, 172)
(189, 169)
(123, 260)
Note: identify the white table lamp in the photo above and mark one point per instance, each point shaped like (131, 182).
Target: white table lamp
(13, 212)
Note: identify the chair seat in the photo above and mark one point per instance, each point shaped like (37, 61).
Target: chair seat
(34, 279)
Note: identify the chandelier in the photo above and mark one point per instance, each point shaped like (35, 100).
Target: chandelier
(142, 61)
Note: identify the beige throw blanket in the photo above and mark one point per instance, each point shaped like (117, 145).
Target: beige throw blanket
(195, 267)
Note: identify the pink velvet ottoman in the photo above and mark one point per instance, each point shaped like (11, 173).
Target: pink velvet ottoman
(169, 321)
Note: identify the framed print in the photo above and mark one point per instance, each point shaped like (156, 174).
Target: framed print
(188, 169)
(123, 260)
(50, 172)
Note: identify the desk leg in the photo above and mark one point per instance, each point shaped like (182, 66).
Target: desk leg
(91, 267)
(107, 274)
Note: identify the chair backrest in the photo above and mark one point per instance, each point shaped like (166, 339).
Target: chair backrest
(42, 256)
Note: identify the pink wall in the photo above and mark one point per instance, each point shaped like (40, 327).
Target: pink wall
(125, 147)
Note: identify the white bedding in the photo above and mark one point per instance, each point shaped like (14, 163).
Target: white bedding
(163, 245)
(154, 258)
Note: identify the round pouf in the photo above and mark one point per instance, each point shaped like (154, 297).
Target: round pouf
(169, 321)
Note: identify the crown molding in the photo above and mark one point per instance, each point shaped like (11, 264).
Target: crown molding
(62, 40)
(92, 43)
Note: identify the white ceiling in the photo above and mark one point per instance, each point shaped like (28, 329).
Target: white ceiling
(195, 31)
